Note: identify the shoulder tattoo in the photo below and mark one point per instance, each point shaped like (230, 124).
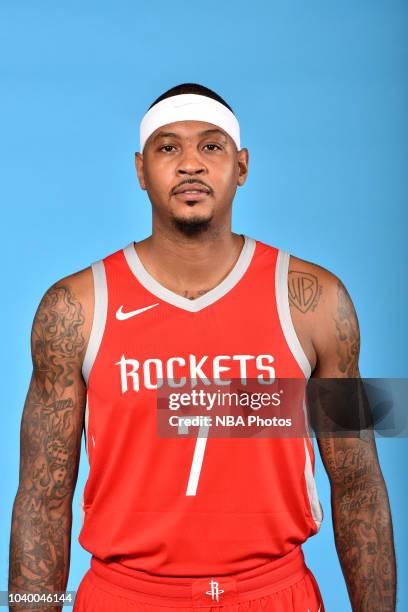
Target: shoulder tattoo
(304, 290)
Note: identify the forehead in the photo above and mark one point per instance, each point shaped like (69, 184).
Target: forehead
(187, 130)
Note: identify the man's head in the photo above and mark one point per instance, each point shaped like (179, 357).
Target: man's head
(190, 161)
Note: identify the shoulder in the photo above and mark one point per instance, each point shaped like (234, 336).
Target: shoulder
(76, 288)
(313, 288)
(70, 301)
(63, 319)
(324, 316)
(310, 284)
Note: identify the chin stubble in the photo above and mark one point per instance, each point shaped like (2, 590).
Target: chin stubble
(191, 227)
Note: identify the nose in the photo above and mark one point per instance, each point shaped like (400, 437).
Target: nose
(190, 163)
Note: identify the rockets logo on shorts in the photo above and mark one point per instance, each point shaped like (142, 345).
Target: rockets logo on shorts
(215, 590)
(185, 506)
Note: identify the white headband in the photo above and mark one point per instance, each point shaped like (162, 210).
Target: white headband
(189, 107)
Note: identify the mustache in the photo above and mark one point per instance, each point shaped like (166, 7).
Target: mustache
(191, 182)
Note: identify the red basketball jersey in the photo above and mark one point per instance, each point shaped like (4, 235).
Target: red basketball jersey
(191, 506)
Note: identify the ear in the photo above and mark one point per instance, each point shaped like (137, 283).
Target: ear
(242, 159)
(139, 170)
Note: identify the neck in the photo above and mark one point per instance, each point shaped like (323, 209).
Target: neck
(190, 266)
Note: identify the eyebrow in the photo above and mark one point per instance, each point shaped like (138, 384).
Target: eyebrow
(174, 135)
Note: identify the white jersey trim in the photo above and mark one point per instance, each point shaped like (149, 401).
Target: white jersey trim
(99, 317)
(86, 420)
(212, 296)
(315, 505)
(285, 317)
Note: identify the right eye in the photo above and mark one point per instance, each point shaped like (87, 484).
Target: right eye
(167, 148)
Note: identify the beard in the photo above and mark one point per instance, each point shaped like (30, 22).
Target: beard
(193, 226)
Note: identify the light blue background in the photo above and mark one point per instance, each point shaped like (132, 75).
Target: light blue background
(320, 89)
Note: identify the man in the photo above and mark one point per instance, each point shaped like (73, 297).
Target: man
(193, 522)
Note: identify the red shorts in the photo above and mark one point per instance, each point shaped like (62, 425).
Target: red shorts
(283, 585)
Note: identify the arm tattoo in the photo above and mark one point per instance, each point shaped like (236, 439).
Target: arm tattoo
(360, 506)
(304, 290)
(362, 523)
(348, 335)
(50, 441)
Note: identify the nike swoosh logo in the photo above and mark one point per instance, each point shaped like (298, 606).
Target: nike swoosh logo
(122, 316)
(186, 104)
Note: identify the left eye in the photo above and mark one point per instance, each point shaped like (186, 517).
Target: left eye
(212, 145)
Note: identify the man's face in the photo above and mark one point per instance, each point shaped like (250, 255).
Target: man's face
(191, 170)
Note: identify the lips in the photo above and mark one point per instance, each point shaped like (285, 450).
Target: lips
(192, 189)
(192, 197)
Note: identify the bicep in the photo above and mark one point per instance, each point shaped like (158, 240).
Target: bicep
(336, 336)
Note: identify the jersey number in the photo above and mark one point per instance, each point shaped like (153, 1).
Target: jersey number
(197, 462)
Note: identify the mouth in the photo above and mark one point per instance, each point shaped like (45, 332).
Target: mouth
(192, 193)
(191, 197)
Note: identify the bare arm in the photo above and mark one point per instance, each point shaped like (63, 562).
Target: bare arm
(50, 441)
(360, 507)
